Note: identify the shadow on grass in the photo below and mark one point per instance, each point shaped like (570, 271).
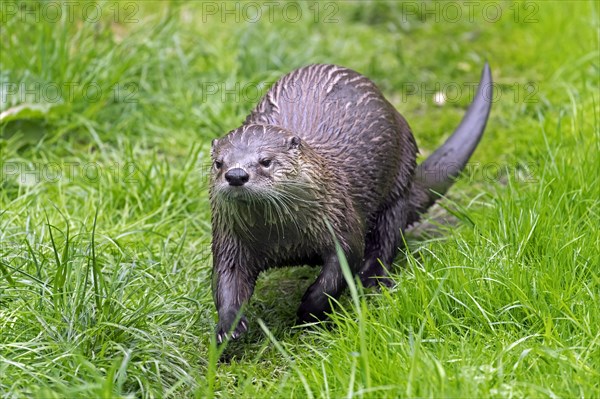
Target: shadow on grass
(276, 298)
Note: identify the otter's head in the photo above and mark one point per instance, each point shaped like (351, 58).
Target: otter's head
(254, 161)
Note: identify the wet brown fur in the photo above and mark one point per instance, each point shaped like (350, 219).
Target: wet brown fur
(341, 154)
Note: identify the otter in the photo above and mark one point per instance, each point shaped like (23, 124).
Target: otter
(323, 158)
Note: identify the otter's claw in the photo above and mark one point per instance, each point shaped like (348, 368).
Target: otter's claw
(241, 328)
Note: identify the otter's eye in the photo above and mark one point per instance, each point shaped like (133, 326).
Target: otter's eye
(265, 162)
(218, 164)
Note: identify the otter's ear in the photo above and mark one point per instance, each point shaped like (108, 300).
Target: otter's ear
(213, 145)
(294, 142)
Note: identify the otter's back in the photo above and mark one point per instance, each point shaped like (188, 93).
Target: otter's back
(342, 115)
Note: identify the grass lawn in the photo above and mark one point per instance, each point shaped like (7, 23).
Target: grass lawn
(108, 111)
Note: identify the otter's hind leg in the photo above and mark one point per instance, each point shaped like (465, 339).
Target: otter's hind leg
(382, 243)
(329, 284)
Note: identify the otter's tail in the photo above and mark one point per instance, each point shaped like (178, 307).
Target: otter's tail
(436, 174)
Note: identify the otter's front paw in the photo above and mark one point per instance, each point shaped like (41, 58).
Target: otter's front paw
(224, 328)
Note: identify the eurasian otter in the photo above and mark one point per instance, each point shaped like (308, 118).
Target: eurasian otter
(323, 148)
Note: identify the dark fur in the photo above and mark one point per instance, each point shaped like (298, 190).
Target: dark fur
(340, 154)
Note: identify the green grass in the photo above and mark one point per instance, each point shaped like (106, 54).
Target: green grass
(105, 227)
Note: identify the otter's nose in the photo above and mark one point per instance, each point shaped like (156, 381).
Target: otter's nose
(236, 177)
